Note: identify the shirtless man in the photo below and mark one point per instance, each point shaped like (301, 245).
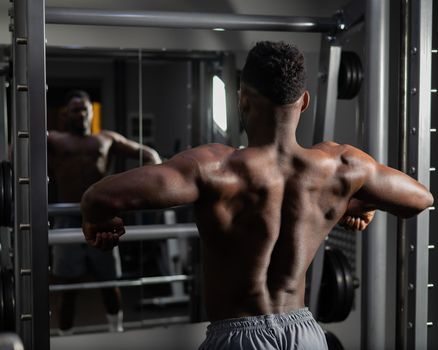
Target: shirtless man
(263, 211)
(77, 159)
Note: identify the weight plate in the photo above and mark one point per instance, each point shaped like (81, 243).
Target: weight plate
(350, 75)
(348, 294)
(332, 292)
(333, 342)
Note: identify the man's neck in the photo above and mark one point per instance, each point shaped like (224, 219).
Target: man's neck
(277, 130)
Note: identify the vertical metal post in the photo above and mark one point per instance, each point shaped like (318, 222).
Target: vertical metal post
(29, 134)
(375, 240)
(140, 104)
(325, 116)
(402, 239)
(20, 162)
(419, 167)
(36, 79)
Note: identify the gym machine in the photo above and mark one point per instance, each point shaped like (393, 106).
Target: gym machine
(29, 180)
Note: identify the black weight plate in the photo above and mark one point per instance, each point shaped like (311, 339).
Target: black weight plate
(344, 76)
(9, 299)
(2, 199)
(350, 75)
(349, 94)
(332, 292)
(8, 196)
(333, 342)
(347, 304)
(359, 70)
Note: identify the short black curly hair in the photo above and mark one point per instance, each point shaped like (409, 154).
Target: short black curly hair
(276, 70)
(76, 94)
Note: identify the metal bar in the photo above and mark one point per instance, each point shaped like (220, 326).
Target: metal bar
(374, 272)
(111, 284)
(190, 20)
(3, 118)
(325, 116)
(419, 160)
(145, 323)
(36, 75)
(75, 209)
(140, 106)
(20, 122)
(165, 300)
(133, 233)
(64, 209)
(402, 235)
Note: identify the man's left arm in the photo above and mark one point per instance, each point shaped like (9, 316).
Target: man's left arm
(128, 148)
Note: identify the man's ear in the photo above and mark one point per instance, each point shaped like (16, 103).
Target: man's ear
(306, 101)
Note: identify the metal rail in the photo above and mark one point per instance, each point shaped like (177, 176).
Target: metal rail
(133, 233)
(111, 284)
(374, 268)
(191, 20)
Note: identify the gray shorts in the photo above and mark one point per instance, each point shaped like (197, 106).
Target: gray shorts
(295, 330)
(76, 260)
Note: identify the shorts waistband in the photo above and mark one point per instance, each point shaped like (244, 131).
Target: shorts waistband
(262, 321)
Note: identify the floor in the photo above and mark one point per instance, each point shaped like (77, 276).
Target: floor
(180, 337)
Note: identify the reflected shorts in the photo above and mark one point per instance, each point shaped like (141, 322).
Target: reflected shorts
(295, 330)
(76, 260)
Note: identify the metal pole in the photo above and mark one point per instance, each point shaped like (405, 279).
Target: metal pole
(140, 105)
(419, 167)
(375, 240)
(190, 20)
(144, 281)
(133, 233)
(20, 161)
(37, 182)
(402, 262)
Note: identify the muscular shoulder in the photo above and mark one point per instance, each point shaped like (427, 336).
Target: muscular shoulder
(208, 154)
(348, 154)
(111, 135)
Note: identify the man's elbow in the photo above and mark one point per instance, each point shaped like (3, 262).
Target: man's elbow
(423, 201)
(95, 202)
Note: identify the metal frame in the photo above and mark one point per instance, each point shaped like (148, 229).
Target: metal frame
(133, 233)
(374, 272)
(30, 159)
(190, 20)
(144, 281)
(419, 167)
(30, 164)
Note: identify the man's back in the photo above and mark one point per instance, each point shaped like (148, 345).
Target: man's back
(261, 217)
(263, 211)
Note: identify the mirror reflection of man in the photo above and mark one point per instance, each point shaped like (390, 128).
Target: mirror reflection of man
(77, 159)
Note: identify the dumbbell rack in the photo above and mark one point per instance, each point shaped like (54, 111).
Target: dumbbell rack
(29, 137)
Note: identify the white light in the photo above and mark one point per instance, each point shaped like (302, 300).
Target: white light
(219, 104)
(219, 29)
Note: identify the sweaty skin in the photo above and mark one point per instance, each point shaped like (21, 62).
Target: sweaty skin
(262, 212)
(77, 159)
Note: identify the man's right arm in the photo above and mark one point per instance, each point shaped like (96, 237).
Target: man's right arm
(149, 187)
(384, 188)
